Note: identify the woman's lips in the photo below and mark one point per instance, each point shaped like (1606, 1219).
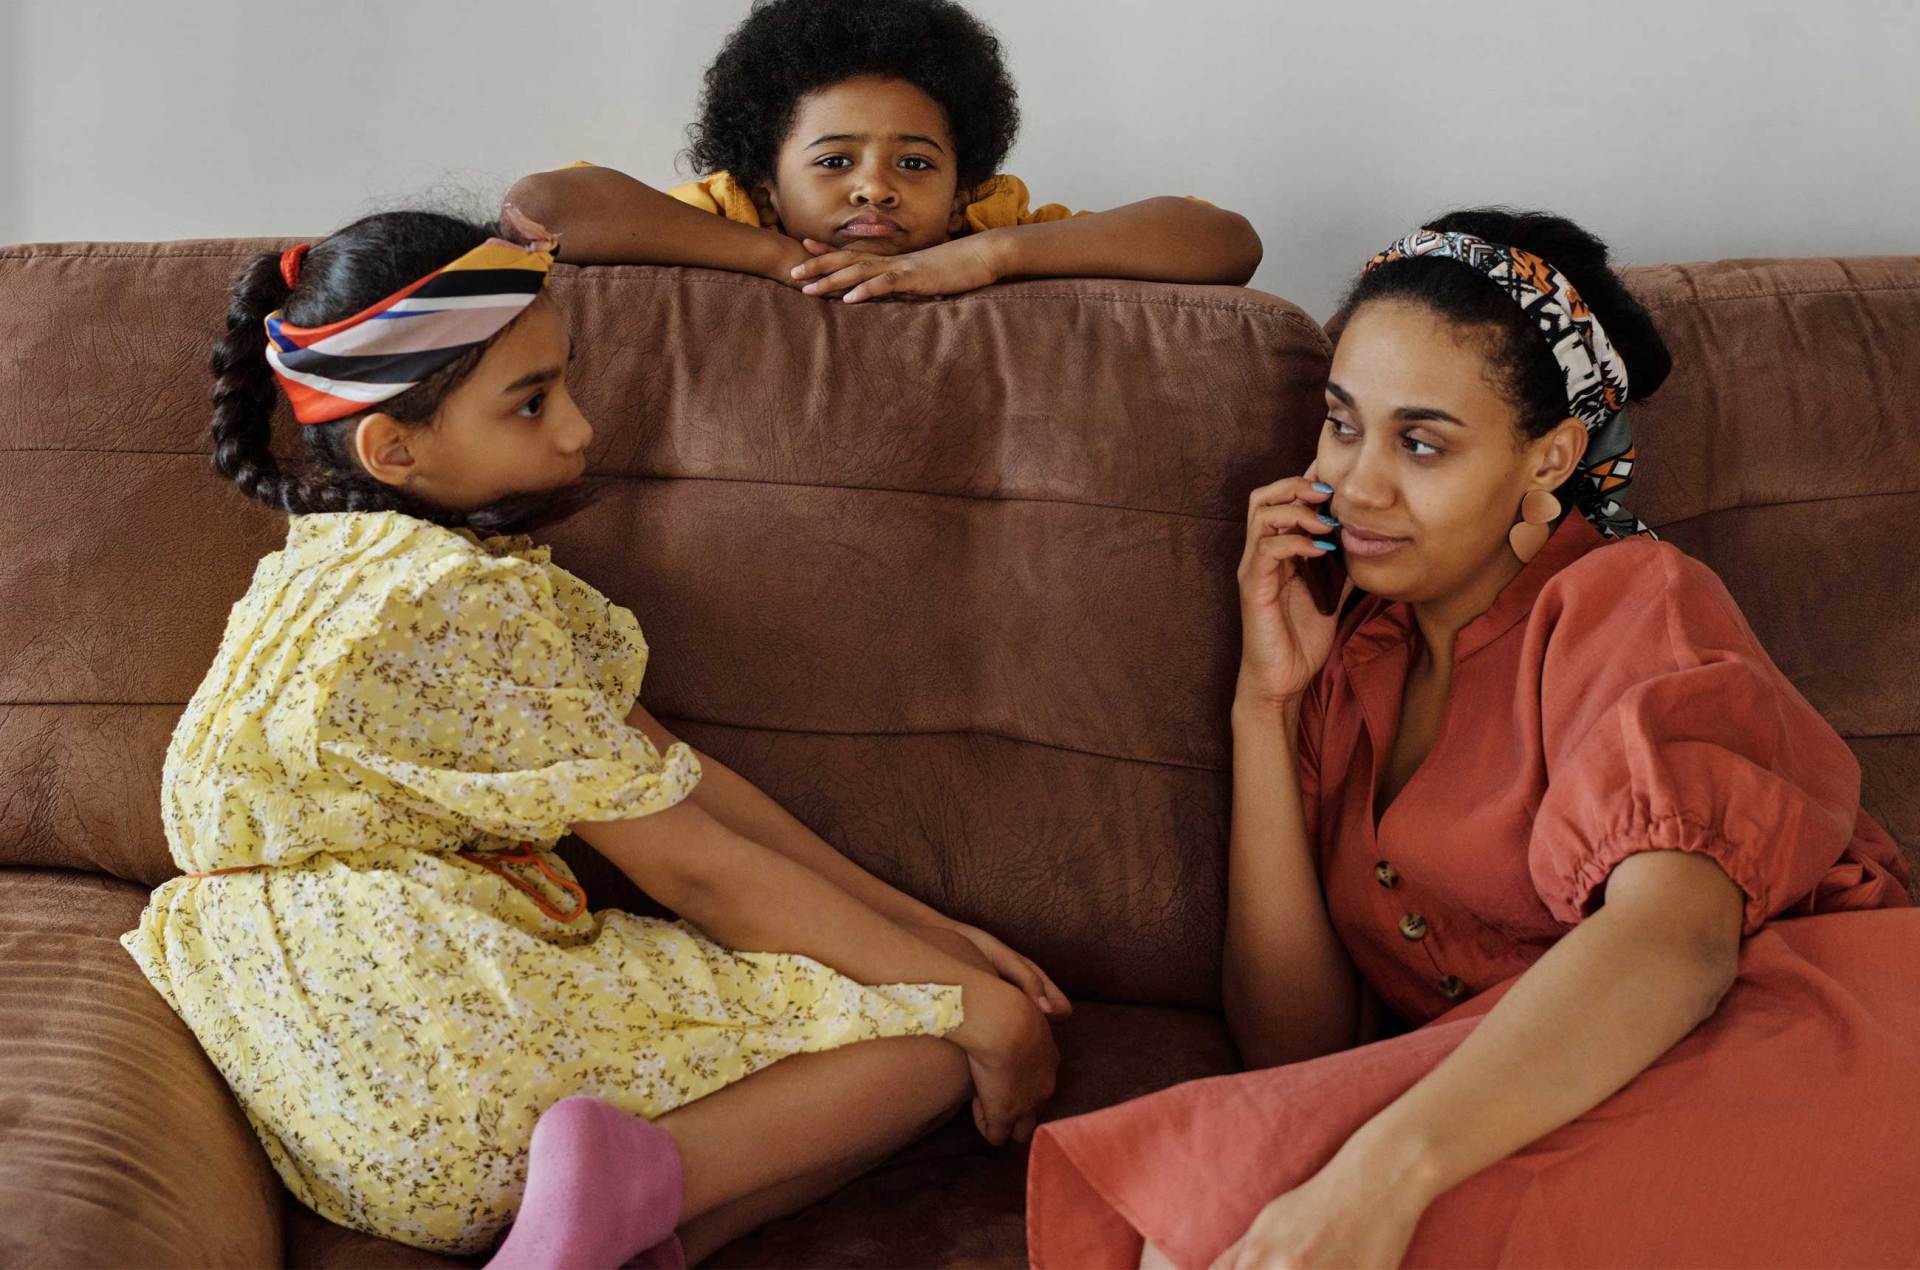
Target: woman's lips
(1359, 542)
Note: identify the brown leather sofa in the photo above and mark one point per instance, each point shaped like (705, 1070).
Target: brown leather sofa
(952, 580)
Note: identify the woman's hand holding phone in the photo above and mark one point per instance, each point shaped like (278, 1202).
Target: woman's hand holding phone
(1286, 628)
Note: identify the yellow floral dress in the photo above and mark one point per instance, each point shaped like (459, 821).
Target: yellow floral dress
(395, 973)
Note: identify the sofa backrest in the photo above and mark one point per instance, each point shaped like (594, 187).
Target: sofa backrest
(1785, 452)
(953, 581)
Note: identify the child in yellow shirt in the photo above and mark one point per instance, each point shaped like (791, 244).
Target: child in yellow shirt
(868, 134)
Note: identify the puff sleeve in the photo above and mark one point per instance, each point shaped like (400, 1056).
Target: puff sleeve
(720, 195)
(465, 704)
(1664, 726)
(1003, 201)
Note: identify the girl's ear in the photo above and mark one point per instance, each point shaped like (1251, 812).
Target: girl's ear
(766, 202)
(957, 219)
(380, 444)
(1557, 455)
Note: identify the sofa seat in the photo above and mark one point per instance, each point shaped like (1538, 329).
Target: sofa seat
(104, 1093)
(123, 1146)
(949, 1200)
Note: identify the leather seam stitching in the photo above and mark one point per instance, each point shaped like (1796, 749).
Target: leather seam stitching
(1663, 526)
(854, 732)
(734, 480)
(1680, 302)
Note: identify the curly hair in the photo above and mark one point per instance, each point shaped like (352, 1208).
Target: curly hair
(788, 48)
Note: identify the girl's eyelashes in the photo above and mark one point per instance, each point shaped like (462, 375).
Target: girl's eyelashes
(1341, 428)
(530, 408)
(841, 162)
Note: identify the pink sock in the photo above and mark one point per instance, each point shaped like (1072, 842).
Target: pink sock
(603, 1189)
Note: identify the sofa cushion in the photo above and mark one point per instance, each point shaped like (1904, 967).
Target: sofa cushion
(122, 1144)
(1785, 452)
(314, 1243)
(948, 1200)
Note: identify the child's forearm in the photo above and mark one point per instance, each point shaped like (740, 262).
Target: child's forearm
(753, 899)
(604, 217)
(1156, 240)
(1289, 988)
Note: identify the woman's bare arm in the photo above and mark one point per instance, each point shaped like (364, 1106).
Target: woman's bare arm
(1290, 990)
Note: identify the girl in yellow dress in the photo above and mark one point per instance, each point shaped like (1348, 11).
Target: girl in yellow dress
(374, 940)
(867, 136)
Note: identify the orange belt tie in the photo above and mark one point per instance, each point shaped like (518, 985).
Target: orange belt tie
(491, 862)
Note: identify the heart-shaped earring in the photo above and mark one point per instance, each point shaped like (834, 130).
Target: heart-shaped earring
(1538, 510)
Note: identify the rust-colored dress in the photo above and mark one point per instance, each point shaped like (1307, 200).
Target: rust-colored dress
(1613, 700)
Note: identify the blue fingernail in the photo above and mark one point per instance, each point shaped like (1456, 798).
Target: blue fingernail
(1324, 545)
(1330, 520)
(1323, 487)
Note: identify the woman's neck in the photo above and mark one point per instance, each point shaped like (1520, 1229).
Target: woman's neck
(1441, 620)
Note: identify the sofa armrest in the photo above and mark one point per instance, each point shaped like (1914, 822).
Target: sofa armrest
(119, 1142)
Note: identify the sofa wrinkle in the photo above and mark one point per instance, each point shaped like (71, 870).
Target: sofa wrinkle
(666, 478)
(1665, 304)
(994, 734)
(1280, 310)
(1784, 502)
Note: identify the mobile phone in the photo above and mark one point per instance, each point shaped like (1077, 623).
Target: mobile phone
(1326, 578)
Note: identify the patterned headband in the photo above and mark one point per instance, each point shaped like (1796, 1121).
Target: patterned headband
(1596, 375)
(332, 371)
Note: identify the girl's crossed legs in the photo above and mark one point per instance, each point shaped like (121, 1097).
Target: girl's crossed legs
(604, 1186)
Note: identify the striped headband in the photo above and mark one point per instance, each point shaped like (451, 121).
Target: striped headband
(1596, 375)
(332, 371)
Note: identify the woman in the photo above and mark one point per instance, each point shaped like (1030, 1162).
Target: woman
(1541, 793)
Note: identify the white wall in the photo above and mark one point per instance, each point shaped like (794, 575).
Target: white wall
(1678, 129)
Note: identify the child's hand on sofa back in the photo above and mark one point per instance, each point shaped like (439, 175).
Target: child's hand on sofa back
(876, 130)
